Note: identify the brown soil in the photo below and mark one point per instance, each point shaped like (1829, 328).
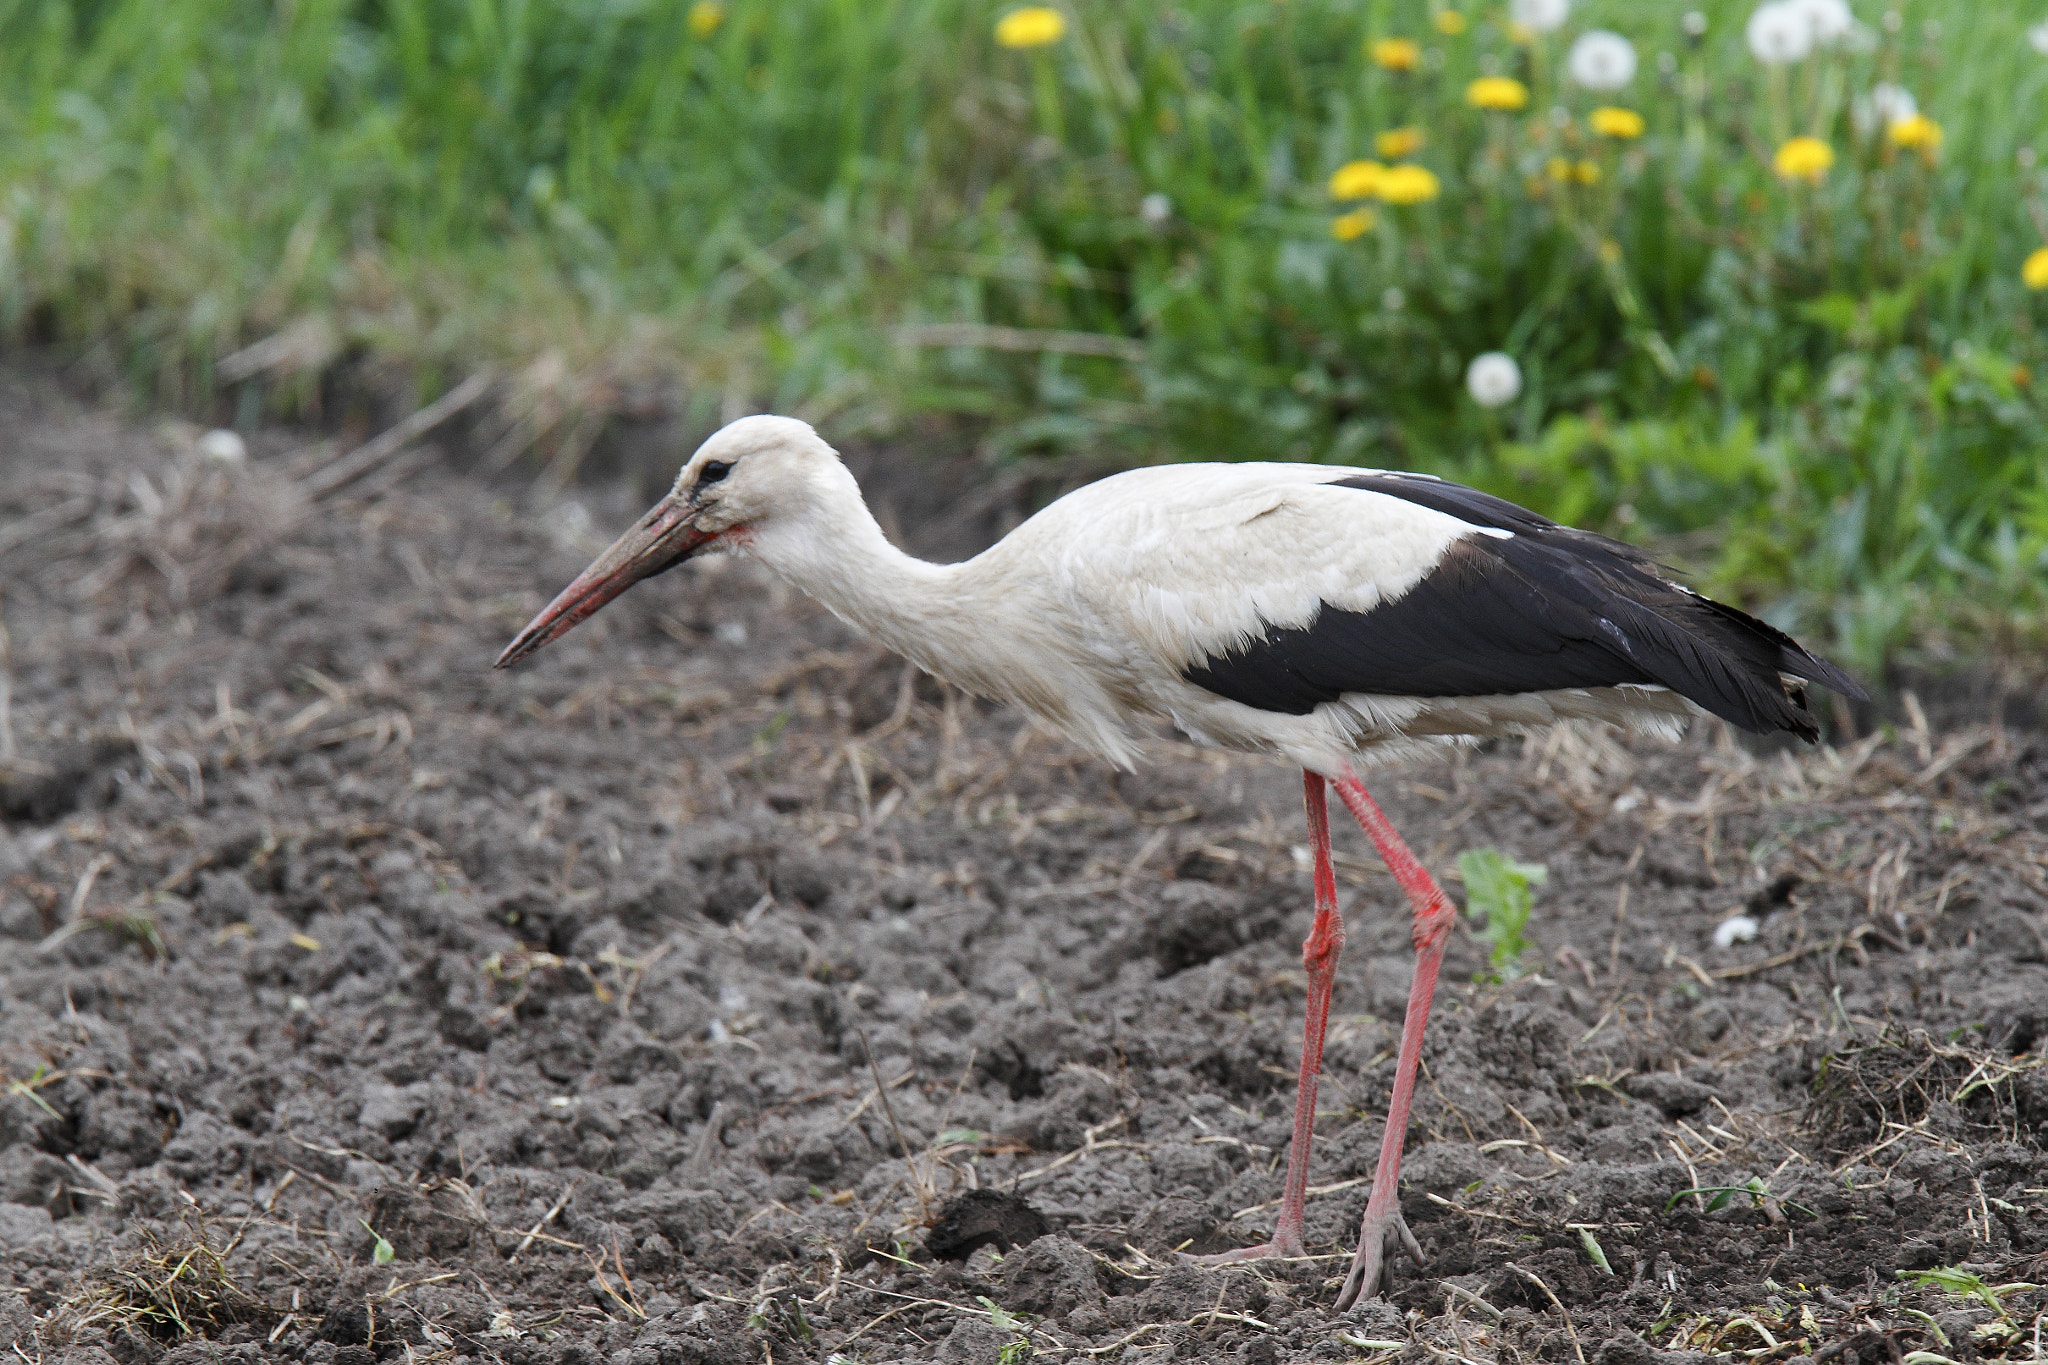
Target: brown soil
(658, 1002)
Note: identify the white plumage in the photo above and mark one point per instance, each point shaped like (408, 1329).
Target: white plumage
(1334, 617)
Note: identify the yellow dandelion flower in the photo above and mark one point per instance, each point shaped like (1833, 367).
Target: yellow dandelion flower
(705, 17)
(1408, 184)
(1395, 54)
(1520, 34)
(1586, 173)
(1610, 251)
(1449, 22)
(1032, 26)
(2035, 271)
(1396, 143)
(1349, 227)
(1558, 169)
(1611, 122)
(1918, 133)
(1497, 92)
(1356, 180)
(1803, 158)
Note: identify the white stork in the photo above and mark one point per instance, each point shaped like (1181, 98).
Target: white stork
(1335, 617)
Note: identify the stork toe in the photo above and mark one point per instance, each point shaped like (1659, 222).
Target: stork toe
(1376, 1247)
(1280, 1248)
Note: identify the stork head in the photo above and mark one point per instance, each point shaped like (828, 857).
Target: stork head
(755, 476)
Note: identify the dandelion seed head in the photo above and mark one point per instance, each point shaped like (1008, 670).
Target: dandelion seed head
(1493, 379)
(1539, 16)
(1694, 23)
(1393, 300)
(1885, 105)
(1600, 60)
(2037, 37)
(1779, 33)
(1156, 209)
(1830, 21)
(1893, 103)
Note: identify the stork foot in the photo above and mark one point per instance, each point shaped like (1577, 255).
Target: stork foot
(1280, 1248)
(1378, 1240)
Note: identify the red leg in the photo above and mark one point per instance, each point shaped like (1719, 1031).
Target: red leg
(1434, 915)
(1319, 957)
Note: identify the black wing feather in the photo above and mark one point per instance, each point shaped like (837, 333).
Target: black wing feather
(1546, 608)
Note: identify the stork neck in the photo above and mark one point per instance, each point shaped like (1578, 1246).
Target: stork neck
(984, 625)
(921, 610)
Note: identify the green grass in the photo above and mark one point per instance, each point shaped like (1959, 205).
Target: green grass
(1821, 398)
(1498, 899)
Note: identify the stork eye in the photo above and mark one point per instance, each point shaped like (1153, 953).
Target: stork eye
(712, 472)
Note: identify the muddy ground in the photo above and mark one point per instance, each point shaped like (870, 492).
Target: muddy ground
(653, 1002)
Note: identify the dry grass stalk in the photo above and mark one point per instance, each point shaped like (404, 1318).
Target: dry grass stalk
(171, 1289)
(1894, 1082)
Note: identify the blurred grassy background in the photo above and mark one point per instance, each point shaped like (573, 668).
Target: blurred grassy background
(1821, 397)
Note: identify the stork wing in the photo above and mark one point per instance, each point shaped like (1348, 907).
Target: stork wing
(1405, 585)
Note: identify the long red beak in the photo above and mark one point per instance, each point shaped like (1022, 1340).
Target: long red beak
(660, 540)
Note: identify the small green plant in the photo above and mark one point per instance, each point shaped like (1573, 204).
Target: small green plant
(782, 1311)
(1497, 896)
(1018, 1348)
(39, 1078)
(382, 1253)
(1965, 1284)
(1759, 1193)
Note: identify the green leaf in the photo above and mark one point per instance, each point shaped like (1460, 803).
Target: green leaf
(1497, 895)
(383, 1253)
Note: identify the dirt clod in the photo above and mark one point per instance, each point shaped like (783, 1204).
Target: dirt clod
(982, 1218)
